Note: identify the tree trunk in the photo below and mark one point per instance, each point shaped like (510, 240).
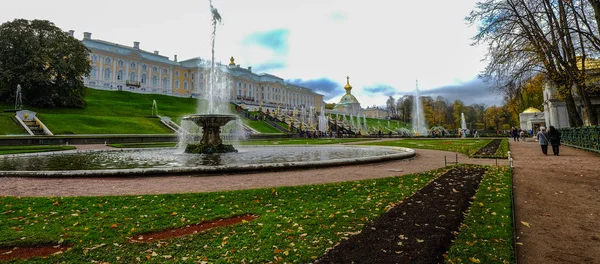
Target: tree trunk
(574, 117)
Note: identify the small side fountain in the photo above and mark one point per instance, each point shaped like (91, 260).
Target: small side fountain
(18, 100)
(463, 126)
(418, 115)
(211, 123)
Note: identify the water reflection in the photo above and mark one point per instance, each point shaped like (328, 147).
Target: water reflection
(173, 158)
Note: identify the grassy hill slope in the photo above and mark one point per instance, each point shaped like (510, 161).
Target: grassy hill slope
(110, 112)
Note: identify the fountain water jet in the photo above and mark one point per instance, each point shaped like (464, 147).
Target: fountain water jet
(418, 114)
(212, 122)
(18, 100)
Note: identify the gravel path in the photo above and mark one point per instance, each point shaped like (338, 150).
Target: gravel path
(424, 161)
(559, 198)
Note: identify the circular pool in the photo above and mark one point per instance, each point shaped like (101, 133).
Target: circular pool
(154, 162)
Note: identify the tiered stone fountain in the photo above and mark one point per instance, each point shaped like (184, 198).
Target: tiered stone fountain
(211, 141)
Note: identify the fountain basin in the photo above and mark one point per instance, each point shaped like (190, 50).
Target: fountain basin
(170, 161)
(211, 141)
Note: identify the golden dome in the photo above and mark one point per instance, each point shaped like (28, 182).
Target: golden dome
(532, 110)
(231, 61)
(348, 87)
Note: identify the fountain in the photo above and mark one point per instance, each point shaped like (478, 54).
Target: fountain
(418, 115)
(18, 100)
(174, 161)
(212, 122)
(463, 125)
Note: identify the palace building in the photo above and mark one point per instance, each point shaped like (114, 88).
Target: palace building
(121, 67)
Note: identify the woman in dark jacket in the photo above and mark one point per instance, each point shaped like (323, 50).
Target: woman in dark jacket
(554, 137)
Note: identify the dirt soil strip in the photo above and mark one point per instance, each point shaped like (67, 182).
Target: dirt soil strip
(418, 230)
(489, 149)
(29, 252)
(179, 232)
(557, 204)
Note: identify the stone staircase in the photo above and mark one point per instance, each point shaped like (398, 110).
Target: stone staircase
(35, 128)
(31, 123)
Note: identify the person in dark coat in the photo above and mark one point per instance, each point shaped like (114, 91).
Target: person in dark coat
(554, 137)
(542, 137)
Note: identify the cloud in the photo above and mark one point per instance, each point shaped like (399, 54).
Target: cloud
(275, 40)
(324, 86)
(381, 90)
(472, 92)
(269, 66)
(337, 16)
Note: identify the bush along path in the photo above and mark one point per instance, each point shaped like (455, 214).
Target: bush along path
(419, 229)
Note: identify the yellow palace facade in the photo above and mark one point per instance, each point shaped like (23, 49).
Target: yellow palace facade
(120, 67)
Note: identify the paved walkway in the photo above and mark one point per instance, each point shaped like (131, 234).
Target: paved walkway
(424, 161)
(558, 197)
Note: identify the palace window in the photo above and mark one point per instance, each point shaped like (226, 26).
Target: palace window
(120, 63)
(165, 82)
(132, 65)
(144, 67)
(185, 75)
(132, 76)
(201, 75)
(143, 80)
(120, 75)
(176, 73)
(93, 72)
(185, 85)
(176, 84)
(107, 61)
(107, 73)
(94, 58)
(166, 71)
(155, 69)
(154, 80)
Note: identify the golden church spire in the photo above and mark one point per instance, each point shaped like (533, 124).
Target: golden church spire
(348, 87)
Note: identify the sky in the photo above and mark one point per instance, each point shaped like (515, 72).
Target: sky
(383, 46)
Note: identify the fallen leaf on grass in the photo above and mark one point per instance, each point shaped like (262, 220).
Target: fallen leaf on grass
(474, 260)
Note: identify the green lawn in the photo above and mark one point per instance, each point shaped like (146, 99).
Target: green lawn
(295, 224)
(486, 235)
(116, 112)
(375, 124)
(465, 146)
(9, 125)
(32, 149)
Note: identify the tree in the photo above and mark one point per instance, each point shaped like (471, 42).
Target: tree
(458, 107)
(329, 106)
(529, 36)
(390, 106)
(48, 63)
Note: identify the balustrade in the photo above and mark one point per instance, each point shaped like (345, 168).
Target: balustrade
(587, 138)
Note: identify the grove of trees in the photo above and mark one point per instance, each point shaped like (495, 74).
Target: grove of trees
(440, 112)
(532, 42)
(47, 62)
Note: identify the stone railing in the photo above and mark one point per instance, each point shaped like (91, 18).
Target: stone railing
(587, 138)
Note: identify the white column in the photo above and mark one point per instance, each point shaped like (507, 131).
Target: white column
(171, 79)
(101, 69)
(114, 77)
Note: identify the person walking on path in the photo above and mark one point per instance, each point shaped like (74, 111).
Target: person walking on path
(542, 137)
(554, 137)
